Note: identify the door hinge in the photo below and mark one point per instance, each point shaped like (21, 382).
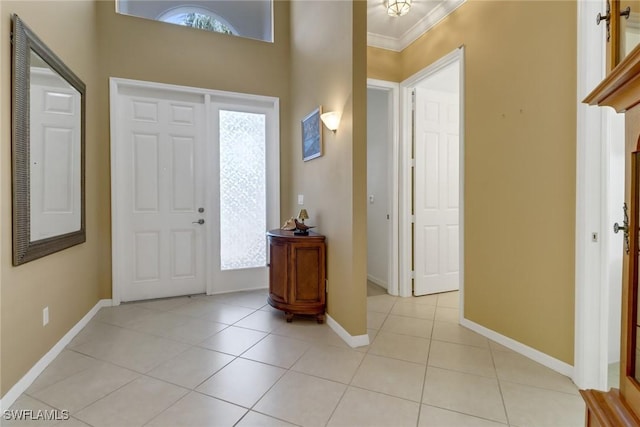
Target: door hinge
(413, 163)
(412, 275)
(413, 220)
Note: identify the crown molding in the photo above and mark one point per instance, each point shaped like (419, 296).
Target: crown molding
(425, 24)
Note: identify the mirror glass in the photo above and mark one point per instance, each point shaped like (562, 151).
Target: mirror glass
(54, 148)
(48, 123)
(629, 26)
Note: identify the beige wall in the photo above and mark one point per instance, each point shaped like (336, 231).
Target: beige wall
(384, 64)
(327, 42)
(97, 43)
(141, 49)
(68, 282)
(520, 145)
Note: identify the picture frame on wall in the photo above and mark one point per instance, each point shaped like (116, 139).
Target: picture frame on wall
(312, 135)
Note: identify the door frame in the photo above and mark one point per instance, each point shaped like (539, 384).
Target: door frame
(273, 155)
(392, 89)
(594, 132)
(230, 101)
(407, 163)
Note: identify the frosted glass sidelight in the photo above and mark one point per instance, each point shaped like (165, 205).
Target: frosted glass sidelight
(243, 190)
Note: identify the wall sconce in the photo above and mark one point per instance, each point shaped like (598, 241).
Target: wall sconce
(331, 120)
(398, 7)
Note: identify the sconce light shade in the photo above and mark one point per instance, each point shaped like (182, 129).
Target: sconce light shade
(398, 7)
(331, 120)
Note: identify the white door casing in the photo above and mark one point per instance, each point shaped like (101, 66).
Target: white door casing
(393, 181)
(436, 192)
(155, 213)
(238, 248)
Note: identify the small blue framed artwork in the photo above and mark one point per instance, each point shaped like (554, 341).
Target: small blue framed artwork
(312, 135)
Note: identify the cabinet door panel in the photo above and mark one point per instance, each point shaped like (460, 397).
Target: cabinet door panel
(307, 274)
(278, 271)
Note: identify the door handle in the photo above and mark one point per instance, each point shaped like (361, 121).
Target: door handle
(617, 227)
(624, 227)
(606, 18)
(200, 221)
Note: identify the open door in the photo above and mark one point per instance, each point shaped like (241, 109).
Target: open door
(436, 192)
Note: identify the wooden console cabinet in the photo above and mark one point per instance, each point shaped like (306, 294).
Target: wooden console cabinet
(297, 273)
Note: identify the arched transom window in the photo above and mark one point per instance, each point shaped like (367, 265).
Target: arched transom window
(197, 17)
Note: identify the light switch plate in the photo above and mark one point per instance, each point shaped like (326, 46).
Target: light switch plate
(301, 199)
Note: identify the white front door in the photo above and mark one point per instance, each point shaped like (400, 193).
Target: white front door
(436, 192)
(195, 187)
(160, 173)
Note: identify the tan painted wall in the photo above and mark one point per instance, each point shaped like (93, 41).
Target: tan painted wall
(141, 49)
(327, 41)
(97, 43)
(68, 282)
(384, 64)
(520, 145)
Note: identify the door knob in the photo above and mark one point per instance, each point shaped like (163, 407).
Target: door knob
(617, 227)
(626, 13)
(624, 227)
(200, 221)
(606, 18)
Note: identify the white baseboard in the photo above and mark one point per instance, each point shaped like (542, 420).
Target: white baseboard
(353, 341)
(377, 281)
(21, 386)
(533, 354)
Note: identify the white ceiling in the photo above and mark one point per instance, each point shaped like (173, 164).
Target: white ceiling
(396, 33)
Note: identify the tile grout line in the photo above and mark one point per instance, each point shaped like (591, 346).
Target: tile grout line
(426, 366)
(504, 405)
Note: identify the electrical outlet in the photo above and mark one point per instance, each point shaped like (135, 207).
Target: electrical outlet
(45, 316)
(301, 199)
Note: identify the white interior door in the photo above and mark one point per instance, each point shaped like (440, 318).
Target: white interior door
(160, 170)
(436, 192)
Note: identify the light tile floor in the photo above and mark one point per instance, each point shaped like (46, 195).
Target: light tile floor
(232, 360)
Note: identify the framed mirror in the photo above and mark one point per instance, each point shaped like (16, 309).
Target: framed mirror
(48, 125)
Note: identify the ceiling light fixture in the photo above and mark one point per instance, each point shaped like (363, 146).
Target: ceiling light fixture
(398, 7)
